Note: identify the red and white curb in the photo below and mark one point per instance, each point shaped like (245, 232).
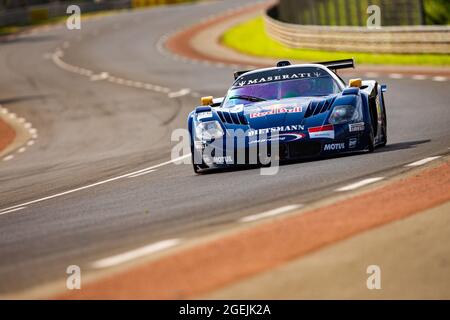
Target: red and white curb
(58, 54)
(26, 126)
(207, 63)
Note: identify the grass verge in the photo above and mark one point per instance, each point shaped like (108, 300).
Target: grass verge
(250, 38)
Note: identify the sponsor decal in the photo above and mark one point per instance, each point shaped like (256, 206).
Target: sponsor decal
(198, 145)
(275, 110)
(356, 127)
(284, 137)
(204, 115)
(222, 159)
(288, 137)
(291, 76)
(334, 146)
(322, 132)
(352, 142)
(256, 132)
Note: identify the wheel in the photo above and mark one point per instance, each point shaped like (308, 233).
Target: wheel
(384, 124)
(197, 167)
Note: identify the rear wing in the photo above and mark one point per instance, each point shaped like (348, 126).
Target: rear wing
(280, 64)
(237, 74)
(338, 64)
(332, 65)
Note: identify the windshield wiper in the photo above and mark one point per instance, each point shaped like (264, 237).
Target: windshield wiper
(249, 98)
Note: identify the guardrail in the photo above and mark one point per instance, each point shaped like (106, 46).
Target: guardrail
(394, 39)
(37, 13)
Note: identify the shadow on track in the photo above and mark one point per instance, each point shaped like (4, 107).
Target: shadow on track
(401, 146)
(387, 148)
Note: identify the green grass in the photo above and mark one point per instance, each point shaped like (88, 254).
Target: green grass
(250, 38)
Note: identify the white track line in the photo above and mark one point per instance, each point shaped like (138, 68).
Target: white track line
(439, 79)
(57, 59)
(360, 184)
(100, 76)
(12, 210)
(419, 77)
(7, 158)
(396, 76)
(372, 75)
(422, 162)
(180, 93)
(94, 184)
(141, 174)
(270, 213)
(134, 254)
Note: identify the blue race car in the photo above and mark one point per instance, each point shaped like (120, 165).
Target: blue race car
(307, 108)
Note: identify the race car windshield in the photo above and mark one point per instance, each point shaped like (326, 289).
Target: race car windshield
(308, 87)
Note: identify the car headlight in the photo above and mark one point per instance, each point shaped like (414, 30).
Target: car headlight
(209, 130)
(344, 114)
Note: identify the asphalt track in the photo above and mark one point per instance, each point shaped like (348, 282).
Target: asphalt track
(90, 131)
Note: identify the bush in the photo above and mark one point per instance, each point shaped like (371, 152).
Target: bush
(437, 11)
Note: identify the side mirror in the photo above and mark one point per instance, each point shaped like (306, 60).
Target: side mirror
(355, 83)
(206, 101)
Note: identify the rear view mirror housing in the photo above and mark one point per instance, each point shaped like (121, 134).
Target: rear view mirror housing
(355, 83)
(206, 101)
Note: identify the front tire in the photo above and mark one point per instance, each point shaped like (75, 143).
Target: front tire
(196, 169)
